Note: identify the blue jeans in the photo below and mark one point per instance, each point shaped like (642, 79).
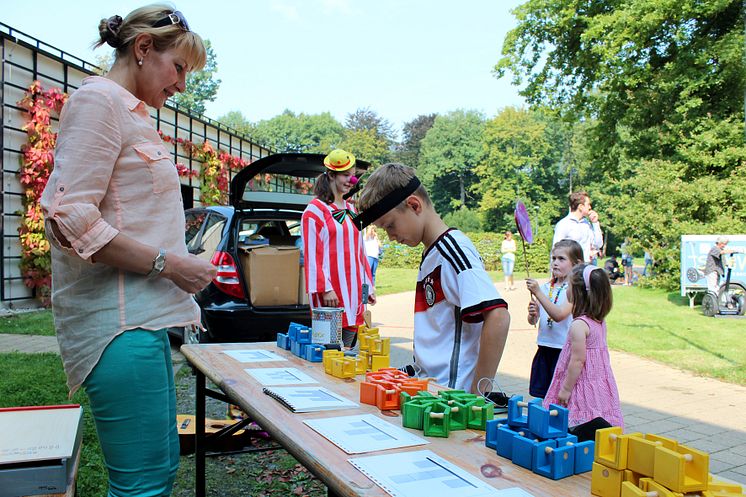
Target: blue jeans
(133, 402)
(373, 263)
(508, 266)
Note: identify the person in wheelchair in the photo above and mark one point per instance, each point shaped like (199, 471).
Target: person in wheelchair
(714, 265)
(611, 266)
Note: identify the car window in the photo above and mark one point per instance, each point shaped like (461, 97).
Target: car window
(211, 236)
(194, 221)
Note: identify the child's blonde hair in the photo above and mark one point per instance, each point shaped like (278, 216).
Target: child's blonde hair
(596, 300)
(384, 180)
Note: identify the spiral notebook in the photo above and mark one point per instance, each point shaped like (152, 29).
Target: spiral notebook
(364, 433)
(422, 472)
(309, 399)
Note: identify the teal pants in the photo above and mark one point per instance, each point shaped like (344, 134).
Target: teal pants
(133, 402)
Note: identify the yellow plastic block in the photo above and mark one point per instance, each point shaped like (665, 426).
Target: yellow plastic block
(361, 365)
(327, 357)
(343, 367)
(666, 442)
(605, 481)
(630, 490)
(682, 470)
(718, 485)
(641, 455)
(611, 448)
(379, 361)
(721, 493)
(365, 356)
(380, 346)
(653, 487)
(632, 477)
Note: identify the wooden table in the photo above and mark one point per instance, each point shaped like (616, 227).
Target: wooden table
(325, 460)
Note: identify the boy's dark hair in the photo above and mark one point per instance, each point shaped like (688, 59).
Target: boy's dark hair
(576, 199)
(384, 180)
(573, 248)
(595, 303)
(322, 188)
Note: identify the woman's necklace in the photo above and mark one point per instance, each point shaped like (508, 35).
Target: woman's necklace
(550, 321)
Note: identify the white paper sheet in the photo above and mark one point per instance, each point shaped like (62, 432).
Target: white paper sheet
(280, 376)
(364, 433)
(254, 355)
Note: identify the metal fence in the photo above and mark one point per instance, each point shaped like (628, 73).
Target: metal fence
(25, 59)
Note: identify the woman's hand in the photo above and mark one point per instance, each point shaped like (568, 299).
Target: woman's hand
(188, 272)
(533, 286)
(372, 296)
(330, 299)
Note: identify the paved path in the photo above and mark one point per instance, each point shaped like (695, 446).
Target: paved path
(704, 413)
(707, 414)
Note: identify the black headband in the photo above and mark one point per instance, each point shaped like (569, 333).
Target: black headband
(388, 202)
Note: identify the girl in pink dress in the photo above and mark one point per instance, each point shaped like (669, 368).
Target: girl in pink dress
(583, 381)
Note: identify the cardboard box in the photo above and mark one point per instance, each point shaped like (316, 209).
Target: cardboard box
(272, 274)
(302, 294)
(41, 445)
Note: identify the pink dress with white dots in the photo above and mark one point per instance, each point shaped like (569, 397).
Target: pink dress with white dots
(595, 393)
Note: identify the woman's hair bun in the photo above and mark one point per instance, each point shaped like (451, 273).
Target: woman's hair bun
(109, 31)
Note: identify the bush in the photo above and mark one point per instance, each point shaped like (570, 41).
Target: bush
(488, 244)
(467, 220)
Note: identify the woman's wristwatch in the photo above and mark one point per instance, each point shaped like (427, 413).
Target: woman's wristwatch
(158, 264)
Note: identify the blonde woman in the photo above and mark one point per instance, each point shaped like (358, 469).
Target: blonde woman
(122, 275)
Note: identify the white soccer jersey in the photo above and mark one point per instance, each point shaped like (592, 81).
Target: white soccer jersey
(453, 291)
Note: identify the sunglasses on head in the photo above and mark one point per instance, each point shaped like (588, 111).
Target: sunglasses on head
(174, 17)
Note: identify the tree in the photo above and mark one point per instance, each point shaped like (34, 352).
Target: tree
(659, 86)
(522, 160)
(201, 86)
(365, 119)
(236, 120)
(449, 154)
(288, 132)
(413, 132)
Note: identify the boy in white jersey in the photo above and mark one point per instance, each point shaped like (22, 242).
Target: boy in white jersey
(461, 322)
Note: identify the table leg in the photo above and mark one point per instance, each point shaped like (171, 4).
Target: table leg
(199, 436)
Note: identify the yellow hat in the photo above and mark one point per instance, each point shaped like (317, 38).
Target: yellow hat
(338, 160)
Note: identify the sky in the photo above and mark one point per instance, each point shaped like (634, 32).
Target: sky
(399, 58)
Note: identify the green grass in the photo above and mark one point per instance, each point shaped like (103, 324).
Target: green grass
(659, 325)
(38, 379)
(28, 323)
(397, 280)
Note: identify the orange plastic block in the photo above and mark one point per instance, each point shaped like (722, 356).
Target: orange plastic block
(605, 481)
(682, 470)
(387, 397)
(611, 448)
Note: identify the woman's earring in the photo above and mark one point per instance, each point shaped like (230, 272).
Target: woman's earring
(139, 62)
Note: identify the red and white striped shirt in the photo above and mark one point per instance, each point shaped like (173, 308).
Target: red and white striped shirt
(335, 259)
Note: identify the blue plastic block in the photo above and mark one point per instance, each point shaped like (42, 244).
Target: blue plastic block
(504, 441)
(523, 451)
(568, 439)
(314, 352)
(538, 449)
(547, 423)
(283, 341)
(516, 417)
(584, 456)
(555, 463)
(304, 335)
(490, 432)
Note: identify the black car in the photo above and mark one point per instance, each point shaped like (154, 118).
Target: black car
(267, 199)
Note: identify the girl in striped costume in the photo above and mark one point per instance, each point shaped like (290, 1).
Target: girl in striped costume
(335, 262)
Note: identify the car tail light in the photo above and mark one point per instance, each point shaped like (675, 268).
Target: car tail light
(227, 280)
